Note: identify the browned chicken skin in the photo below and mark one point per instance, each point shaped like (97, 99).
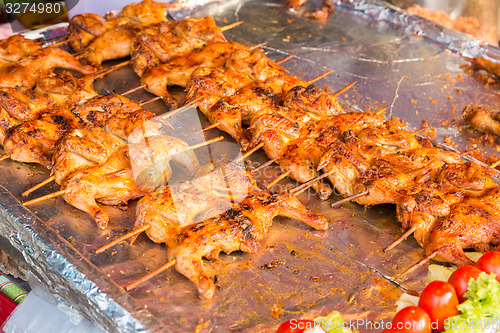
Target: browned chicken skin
(429, 202)
(17, 47)
(170, 40)
(35, 141)
(112, 44)
(168, 210)
(27, 71)
(110, 183)
(84, 28)
(239, 229)
(472, 224)
(82, 147)
(482, 119)
(114, 181)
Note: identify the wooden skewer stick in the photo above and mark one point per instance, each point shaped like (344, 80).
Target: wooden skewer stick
(178, 110)
(268, 163)
(36, 187)
(150, 100)
(61, 192)
(4, 157)
(279, 62)
(382, 110)
(420, 263)
(301, 188)
(401, 238)
(110, 69)
(206, 143)
(57, 44)
(122, 238)
(494, 165)
(45, 197)
(209, 127)
(250, 152)
(341, 201)
(277, 179)
(150, 275)
(317, 78)
(257, 46)
(419, 130)
(230, 26)
(343, 90)
(133, 90)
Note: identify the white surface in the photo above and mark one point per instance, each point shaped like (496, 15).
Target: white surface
(39, 312)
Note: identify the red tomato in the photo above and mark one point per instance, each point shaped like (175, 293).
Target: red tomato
(460, 280)
(296, 326)
(498, 248)
(490, 263)
(440, 301)
(412, 319)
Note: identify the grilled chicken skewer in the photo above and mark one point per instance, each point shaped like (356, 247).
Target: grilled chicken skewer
(16, 47)
(115, 181)
(27, 71)
(239, 228)
(85, 28)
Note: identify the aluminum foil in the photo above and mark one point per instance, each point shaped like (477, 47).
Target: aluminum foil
(396, 59)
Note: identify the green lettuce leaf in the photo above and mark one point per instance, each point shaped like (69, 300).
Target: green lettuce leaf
(481, 311)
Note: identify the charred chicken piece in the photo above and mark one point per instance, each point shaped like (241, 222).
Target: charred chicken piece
(27, 71)
(84, 28)
(482, 119)
(35, 141)
(209, 194)
(114, 182)
(394, 172)
(146, 12)
(96, 111)
(110, 183)
(170, 40)
(239, 229)
(302, 157)
(431, 201)
(80, 148)
(114, 43)
(472, 224)
(16, 47)
(207, 85)
(277, 128)
(178, 70)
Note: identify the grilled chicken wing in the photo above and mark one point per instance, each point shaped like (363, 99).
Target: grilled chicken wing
(169, 40)
(395, 172)
(168, 210)
(35, 141)
(82, 147)
(302, 157)
(96, 111)
(146, 12)
(472, 224)
(83, 28)
(17, 47)
(114, 181)
(115, 43)
(482, 119)
(429, 202)
(27, 71)
(240, 228)
(110, 183)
